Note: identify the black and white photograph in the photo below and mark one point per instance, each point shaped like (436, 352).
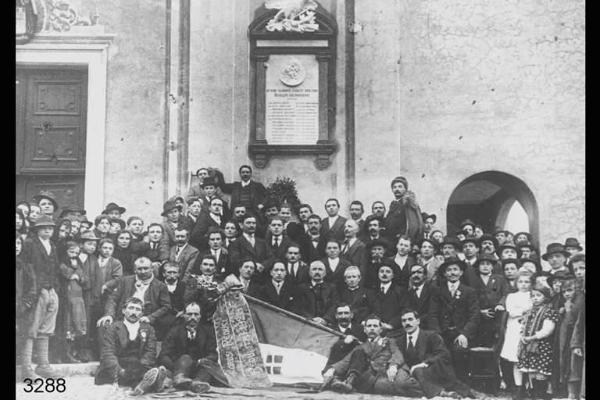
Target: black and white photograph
(300, 199)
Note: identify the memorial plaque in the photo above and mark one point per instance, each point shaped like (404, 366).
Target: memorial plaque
(292, 99)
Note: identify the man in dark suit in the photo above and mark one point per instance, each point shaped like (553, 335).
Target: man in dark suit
(182, 253)
(212, 218)
(389, 297)
(373, 230)
(333, 225)
(201, 284)
(190, 352)
(458, 314)
(278, 291)
(144, 286)
(276, 241)
(402, 261)
(357, 209)
(316, 300)
(374, 260)
(317, 242)
(429, 359)
(248, 192)
(362, 301)
(422, 297)
(216, 238)
(128, 351)
(297, 270)
(470, 248)
(354, 332)
(155, 249)
(353, 249)
(248, 245)
(174, 219)
(334, 264)
(209, 186)
(176, 287)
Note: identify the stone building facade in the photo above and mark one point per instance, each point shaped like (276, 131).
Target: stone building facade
(477, 103)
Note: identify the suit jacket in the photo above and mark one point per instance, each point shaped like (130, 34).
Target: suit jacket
(391, 248)
(177, 343)
(176, 297)
(362, 302)
(336, 231)
(307, 301)
(224, 267)
(402, 272)
(242, 248)
(168, 238)
(379, 356)
(198, 236)
(258, 193)
(489, 295)
(426, 305)
(355, 254)
(459, 314)
(388, 304)
(109, 276)
(285, 299)
(144, 249)
(302, 275)
(279, 252)
(340, 349)
(337, 277)
(115, 340)
(157, 301)
(186, 258)
(45, 266)
(318, 252)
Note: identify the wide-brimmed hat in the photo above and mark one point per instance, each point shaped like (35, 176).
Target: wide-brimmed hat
(89, 235)
(377, 242)
(432, 216)
(487, 236)
(553, 248)
(451, 240)
(177, 197)
(209, 182)
(43, 221)
(46, 195)
(485, 257)
(508, 245)
(451, 261)
(573, 242)
(168, 206)
(525, 244)
(560, 275)
(113, 206)
(71, 209)
(121, 223)
(467, 222)
(500, 231)
(83, 220)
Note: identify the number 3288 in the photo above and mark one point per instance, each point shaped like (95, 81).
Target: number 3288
(40, 385)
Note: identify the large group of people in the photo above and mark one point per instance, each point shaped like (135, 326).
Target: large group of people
(414, 304)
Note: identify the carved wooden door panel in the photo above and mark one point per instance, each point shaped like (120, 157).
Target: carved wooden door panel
(51, 123)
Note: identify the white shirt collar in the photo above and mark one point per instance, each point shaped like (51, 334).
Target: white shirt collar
(453, 285)
(244, 184)
(332, 220)
(249, 237)
(414, 336)
(385, 286)
(333, 263)
(132, 328)
(345, 329)
(172, 287)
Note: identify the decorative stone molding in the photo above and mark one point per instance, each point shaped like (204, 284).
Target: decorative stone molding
(59, 16)
(293, 16)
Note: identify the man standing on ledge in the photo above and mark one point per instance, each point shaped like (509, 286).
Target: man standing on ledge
(404, 215)
(248, 193)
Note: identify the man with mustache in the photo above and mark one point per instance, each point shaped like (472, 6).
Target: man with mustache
(353, 249)
(404, 215)
(422, 297)
(362, 300)
(375, 366)
(389, 297)
(317, 242)
(458, 314)
(373, 230)
(428, 358)
(317, 299)
(189, 352)
(354, 332)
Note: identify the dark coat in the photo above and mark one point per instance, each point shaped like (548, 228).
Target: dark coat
(198, 236)
(115, 339)
(25, 296)
(404, 217)
(388, 304)
(242, 248)
(204, 297)
(302, 275)
(489, 295)
(186, 258)
(279, 252)
(176, 344)
(176, 297)
(307, 301)
(426, 305)
(285, 299)
(258, 193)
(126, 257)
(362, 302)
(144, 249)
(458, 315)
(168, 238)
(45, 266)
(401, 272)
(336, 231)
(337, 277)
(318, 252)
(157, 300)
(355, 254)
(340, 349)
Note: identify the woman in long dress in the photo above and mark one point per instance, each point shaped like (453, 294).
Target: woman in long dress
(517, 304)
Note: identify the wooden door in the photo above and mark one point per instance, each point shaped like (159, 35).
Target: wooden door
(50, 133)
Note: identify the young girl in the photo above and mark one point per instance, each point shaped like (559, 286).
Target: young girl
(517, 304)
(535, 349)
(74, 282)
(123, 252)
(510, 268)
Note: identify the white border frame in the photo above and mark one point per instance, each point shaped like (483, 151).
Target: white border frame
(92, 53)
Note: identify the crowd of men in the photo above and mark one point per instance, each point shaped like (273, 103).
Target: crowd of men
(414, 304)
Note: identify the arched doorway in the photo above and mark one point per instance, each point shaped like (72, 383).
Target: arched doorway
(493, 200)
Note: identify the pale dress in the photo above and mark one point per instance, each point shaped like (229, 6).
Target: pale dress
(516, 305)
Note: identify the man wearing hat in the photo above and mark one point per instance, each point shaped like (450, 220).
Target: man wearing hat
(212, 218)
(41, 254)
(490, 289)
(428, 223)
(47, 203)
(173, 220)
(86, 225)
(468, 227)
(508, 250)
(458, 314)
(209, 185)
(501, 236)
(373, 230)
(451, 247)
(572, 246)
(404, 215)
(113, 210)
(556, 255)
(526, 250)
(71, 211)
(375, 257)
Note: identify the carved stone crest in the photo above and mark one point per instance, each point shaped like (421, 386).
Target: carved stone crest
(293, 16)
(292, 74)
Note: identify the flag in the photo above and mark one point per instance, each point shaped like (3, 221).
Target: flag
(293, 349)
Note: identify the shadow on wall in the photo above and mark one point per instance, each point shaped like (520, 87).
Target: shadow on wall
(487, 198)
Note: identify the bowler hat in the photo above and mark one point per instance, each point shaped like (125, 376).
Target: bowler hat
(83, 219)
(466, 222)
(168, 206)
(560, 275)
(487, 236)
(451, 240)
(553, 248)
(432, 216)
(573, 242)
(522, 245)
(209, 182)
(112, 207)
(71, 209)
(177, 197)
(451, 261)
(119, 221)
(43, 221)
(529, 237)
(471, 239)
(508, 245)
(377, 242)
(44, 194)
(500, 231)
(89, 235)
(485, 257)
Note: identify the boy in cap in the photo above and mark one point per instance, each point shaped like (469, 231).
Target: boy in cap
(556, 255)
(113, 210)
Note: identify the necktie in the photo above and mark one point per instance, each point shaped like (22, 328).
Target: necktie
(383, 289)
(452, 289)
(214, 252)
(153, 245)
(278, 288)
(345, 247)
(416, 289)
(276, 242)
(178, 253)
(411, 345)
(191, 333)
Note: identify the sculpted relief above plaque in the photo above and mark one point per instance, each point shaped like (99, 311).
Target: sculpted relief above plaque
(293, 16)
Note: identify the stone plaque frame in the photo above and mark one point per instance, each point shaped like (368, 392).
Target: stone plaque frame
(263, 44)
